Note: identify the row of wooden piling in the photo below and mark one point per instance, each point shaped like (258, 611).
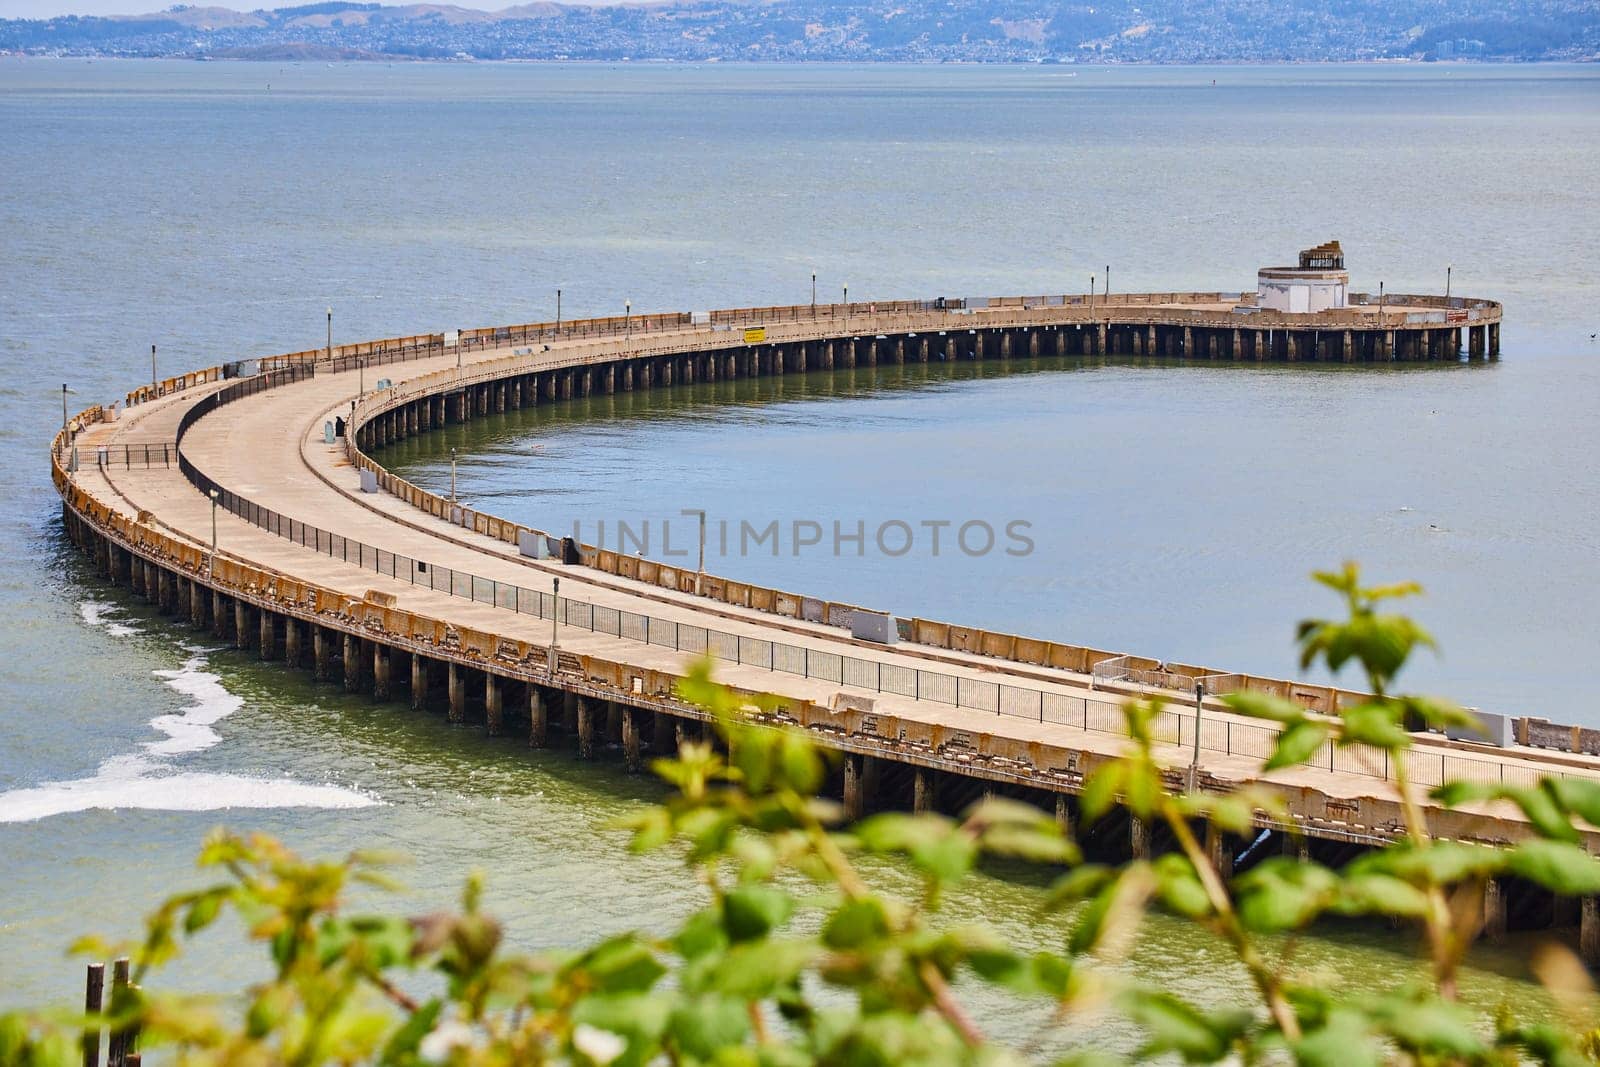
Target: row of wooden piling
(102, 1013)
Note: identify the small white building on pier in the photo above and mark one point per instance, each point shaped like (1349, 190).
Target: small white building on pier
(1319, 283)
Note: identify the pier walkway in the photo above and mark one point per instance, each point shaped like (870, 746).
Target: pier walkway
(324, 559)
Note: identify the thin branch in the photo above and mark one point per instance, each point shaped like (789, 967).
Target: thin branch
(944, 1000)
(1228, 921)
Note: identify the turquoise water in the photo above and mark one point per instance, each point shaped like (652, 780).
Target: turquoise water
(1175, 509)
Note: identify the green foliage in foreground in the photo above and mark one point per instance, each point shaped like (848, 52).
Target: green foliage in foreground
(796, 958)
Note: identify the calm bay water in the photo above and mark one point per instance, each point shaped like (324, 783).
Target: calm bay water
(216, 210)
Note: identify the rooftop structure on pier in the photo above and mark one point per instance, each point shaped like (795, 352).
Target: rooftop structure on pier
(1319, 283)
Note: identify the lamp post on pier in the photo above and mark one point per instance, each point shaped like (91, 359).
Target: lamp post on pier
(1194, 759)
(813, 294)
(152, 369)
(847, 305)
(211, 563)
(700, 572)
(555, 621)
(1449, 268)
(627, 317)
(558, 312)
(452, 477)
(1105, 297)
(330, 334)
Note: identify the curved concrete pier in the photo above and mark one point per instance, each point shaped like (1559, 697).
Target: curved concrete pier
(327, 561)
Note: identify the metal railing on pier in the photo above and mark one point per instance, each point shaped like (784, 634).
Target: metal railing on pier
(1225, 735)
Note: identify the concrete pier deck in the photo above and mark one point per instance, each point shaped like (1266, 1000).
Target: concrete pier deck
(321, 556)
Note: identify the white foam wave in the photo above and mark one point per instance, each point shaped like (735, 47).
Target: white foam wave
(147, 781)
(123, 784)
(102, 613)
(190, 729)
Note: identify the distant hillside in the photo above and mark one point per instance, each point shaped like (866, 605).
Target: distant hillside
(1163, 31)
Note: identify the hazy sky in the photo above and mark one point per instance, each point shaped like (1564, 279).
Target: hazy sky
(37, 9)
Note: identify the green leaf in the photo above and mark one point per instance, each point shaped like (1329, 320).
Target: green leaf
(1440, 863)
(750, 912)
(622, 965)
(1559, 866)
(1034, 844)
(702, 1025)
(1373, 724)
(898, 832)
(203, 912)
(1100, 792)
(1297, 743)
(402, 1044)
(1433, 1027)
(1345, 1041)
(1114, 912)
(1078, 883)
(1281, 893)
(1179, 887)
(757, 970)
(639, 1018)
(1381, 894)
(1578, 795)
(947, 860)
(800, 763)
(1141, 788)
(855, 923)
(700, 934)
(1539, 805)
(1174, 1026)
(1265, 706)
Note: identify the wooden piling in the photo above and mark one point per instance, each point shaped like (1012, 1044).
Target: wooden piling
(381, 677)
(922, 790)
(419, 682)
(457, 686)
(631, 757)
(586, 725)
(493, 708)
(94, 989)
(538, 718)
(352, 663)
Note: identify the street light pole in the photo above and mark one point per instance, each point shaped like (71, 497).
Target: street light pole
(558, 312)
(1105, 297)
(63, 411)
(847, 305)
(361, 361)
(211, 564)
(700, 572)
(1194, 760)
(152, 368)
(627, 317)
(555, 620)
(330, 334)
(452, 476)
(1091, 289)
(1449, 268)
(813, 294)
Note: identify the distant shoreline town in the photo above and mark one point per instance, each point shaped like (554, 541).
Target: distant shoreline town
(926, 31)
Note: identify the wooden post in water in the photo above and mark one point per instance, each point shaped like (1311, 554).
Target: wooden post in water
(538, 718)
(94, 988)
(117, 1048)
(630, 740)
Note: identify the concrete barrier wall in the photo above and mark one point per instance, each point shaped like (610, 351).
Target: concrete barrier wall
(1010, 647)
(948, 636)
